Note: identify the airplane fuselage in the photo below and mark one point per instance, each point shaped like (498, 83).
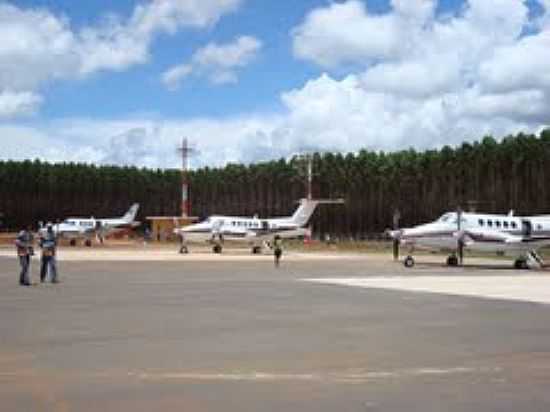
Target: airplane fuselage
(241, 229)
(77, 228)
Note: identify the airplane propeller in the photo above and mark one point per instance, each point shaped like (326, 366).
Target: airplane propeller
(100, 231)
(460, 241)
(217, 231)
(396, 240)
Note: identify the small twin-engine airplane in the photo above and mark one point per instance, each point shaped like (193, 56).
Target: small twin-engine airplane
(514, 236)
(75, 228)
(256, 232)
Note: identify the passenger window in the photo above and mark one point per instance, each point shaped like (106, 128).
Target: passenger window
(514, 225)
(505, 224)
(481, 222)
(490, 223)
(497, 223)
(539, 227)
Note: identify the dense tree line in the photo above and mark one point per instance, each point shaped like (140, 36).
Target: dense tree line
(33, 191)
(492, 176)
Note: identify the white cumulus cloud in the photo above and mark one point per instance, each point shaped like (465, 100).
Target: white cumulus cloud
(39, 46)
(345, 33)
(416, 79)
(217, 62)
(13, 104)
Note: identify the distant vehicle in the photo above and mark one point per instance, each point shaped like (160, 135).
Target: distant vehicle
(75, 228)
(514, 236)
(258, 233)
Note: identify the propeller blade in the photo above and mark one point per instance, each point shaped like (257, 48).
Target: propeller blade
(460, 251)
(396, 240)
(460, 241)
(396, 244)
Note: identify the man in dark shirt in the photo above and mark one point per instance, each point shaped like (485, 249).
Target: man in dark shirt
(277, 249)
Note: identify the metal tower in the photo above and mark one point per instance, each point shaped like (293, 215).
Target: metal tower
(185, 151)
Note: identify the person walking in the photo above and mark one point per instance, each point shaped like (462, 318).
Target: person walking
(277, 250)
(24, 245)
(48, 243)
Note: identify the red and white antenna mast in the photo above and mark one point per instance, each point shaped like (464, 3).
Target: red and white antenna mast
(185, 152)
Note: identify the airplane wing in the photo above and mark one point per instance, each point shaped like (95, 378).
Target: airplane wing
(283, 232)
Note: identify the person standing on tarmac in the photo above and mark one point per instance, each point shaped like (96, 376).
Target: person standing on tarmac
(24, 244)
(48, 243)
(277, 250)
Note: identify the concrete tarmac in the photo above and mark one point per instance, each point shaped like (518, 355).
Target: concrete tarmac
(243, 336)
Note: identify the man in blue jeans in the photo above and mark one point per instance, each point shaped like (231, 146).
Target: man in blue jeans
(48, 243)
(24, 245)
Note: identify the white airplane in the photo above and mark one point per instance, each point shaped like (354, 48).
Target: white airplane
(258, 233)
(75, 228)
(509, 235)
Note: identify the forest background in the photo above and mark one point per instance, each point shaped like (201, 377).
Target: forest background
(487, 175)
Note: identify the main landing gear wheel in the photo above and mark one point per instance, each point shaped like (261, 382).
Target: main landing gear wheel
(88, 243)
(217, 249)
(408, 262)
(184, 250)
(521, 264)
(452, 261)
(256, 250)
(72, 242)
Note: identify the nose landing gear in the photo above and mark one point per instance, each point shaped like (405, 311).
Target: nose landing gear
(408, 262)
(521, 264)
(452, 261)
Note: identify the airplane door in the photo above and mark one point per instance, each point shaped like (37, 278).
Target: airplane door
(526, 228)
(265, 225)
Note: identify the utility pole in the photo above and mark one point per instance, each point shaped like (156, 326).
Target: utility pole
(306, 159)
(305, 169)
(309, 176)
(185, 152)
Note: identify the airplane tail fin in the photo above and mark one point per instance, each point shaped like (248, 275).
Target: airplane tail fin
(131, 214)
(304, 212)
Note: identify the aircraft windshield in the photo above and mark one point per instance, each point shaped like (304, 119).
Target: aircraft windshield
(450, 218)
(447, 217)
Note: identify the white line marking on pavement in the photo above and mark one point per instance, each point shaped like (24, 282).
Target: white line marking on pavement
(357, 376)
(521, 288)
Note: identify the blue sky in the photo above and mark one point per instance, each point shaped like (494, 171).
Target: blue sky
(274, 70)
(259, 86)
(327, 75)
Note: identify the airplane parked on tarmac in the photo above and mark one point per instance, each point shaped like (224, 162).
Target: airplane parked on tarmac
(258, 233)
(75, 228)
(514, 236)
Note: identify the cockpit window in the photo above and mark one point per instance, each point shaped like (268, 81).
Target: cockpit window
(451, 218)
(446, 217)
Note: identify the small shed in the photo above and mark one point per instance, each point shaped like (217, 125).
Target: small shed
(162, 227)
